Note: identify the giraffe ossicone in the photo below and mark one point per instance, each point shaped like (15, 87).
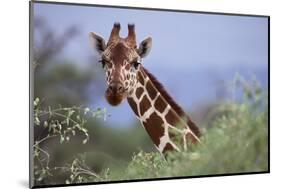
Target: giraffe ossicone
(164, 120)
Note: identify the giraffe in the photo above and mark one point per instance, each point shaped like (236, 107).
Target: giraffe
(169, 127)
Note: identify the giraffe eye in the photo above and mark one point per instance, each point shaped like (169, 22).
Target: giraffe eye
(102, 63)
(136, 64)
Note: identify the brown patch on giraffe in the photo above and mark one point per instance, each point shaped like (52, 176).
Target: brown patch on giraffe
(160, 104)
(151, 90)
(153, 126)
(170, 118)
(128, 66)
(193, 127)
(118, 53)
(144, 105)
(133, 105)
(190, 138)
(140, 78)
(109, 65)
(126, 83)
(168, 147)
(139, 92)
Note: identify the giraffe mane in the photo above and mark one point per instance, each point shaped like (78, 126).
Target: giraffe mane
(172, 102)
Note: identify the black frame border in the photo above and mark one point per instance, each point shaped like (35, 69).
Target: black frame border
(31, 2)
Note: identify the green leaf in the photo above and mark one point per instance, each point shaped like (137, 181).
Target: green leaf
(37, 121)
(50, 111)
(61, 139)
(59, 126)
(86, 110)
(36, 101)
(45, 124)
(36, 153)
(73, 132)
(104, 114)
(85, 141)
(78, 117)
(70, 113)
(84, 130)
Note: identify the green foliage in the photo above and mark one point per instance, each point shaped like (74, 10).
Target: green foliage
(235, 144)
(80, 172)
(61, 129)
(145, 164)
(62, 123)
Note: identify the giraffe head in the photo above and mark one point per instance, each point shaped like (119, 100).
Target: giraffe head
(120, 58)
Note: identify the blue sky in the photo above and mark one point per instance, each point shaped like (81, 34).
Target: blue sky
(191, 52)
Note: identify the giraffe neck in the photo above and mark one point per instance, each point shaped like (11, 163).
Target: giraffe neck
(167, 125)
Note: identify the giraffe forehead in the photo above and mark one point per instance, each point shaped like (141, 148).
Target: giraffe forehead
(120, 53)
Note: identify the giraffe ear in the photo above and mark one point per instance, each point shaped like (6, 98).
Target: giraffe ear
(97, 42)
(145, 47)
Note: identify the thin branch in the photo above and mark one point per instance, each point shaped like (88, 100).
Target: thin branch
(63, 116)
(90, 173)
(43, 139)
(45, 112)
(46, 153)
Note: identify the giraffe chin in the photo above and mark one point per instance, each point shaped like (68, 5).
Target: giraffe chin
(114, 99)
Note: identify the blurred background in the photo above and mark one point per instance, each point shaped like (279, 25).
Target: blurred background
(195, 56)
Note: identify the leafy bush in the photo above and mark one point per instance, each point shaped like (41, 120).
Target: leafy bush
(237, 144)
(62, 123)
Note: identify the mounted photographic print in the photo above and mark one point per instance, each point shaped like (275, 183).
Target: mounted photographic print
(122, 94)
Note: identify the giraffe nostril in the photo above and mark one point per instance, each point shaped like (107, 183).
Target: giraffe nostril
(120, 88)
(116, 88)
(110, 87)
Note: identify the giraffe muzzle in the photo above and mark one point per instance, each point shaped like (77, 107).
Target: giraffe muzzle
(116, 88)
(115, 93)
